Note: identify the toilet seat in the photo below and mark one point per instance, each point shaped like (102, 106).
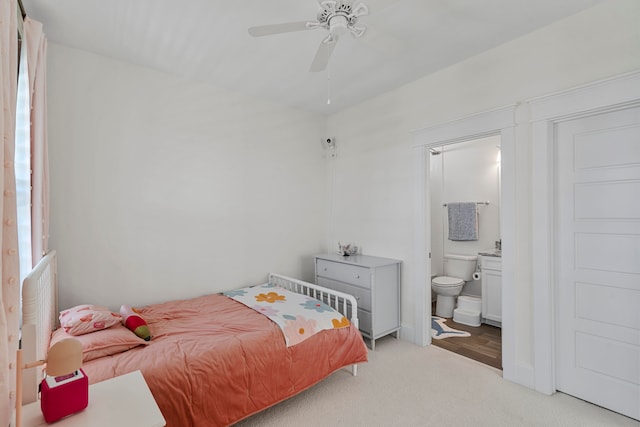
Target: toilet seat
(446, 281)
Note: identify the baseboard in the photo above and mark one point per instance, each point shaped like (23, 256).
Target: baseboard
(520, 373)
(408, 333)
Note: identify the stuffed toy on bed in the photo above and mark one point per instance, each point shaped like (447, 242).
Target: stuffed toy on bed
(135, 323)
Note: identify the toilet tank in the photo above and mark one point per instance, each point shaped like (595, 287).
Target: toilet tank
(460, 266)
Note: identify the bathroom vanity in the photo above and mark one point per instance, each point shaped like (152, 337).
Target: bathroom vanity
(490, 264)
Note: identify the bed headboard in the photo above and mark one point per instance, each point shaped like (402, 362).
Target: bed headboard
(39, 317)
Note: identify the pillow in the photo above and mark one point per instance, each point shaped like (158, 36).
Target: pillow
(134, 322)
(106, 342)
(86, 318)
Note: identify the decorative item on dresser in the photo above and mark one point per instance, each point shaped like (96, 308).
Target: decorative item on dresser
(347, 250)
(373, 281)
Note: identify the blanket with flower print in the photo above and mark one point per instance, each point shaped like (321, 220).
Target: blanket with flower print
(299, 316)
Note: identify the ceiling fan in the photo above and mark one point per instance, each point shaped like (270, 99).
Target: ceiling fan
(336, 16)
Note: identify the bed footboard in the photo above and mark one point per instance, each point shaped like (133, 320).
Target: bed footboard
(344, 303)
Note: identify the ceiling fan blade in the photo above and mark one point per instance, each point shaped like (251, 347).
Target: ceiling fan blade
(323, 54)
(360, 9)
(288, 27)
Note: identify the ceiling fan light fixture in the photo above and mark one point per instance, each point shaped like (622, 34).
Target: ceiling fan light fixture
(343, 6)
(338, 25)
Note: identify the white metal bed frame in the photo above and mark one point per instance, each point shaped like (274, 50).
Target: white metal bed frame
(344, 303)
(40, 312)
(39, 318)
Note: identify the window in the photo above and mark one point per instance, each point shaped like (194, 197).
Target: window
(22, 164)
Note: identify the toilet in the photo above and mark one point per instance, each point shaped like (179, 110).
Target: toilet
(457, 269)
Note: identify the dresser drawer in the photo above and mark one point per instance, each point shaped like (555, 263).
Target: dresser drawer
(362, 296)
(359, 276)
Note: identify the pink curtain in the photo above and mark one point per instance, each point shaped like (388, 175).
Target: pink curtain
(36, 45)
(10, 296)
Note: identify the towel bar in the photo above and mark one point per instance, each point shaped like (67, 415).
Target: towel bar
(477, 203)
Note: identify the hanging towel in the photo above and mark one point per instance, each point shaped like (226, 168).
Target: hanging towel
(463, 221)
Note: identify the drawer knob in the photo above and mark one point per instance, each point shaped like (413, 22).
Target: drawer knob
(325, 269)
(357, 276)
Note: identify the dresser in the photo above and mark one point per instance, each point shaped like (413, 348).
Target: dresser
(373, 281)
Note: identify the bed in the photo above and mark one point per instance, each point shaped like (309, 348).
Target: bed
(212, 360)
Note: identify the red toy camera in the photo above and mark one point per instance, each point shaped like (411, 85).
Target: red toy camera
(64, 395)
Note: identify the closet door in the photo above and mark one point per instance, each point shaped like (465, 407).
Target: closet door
(598, 259)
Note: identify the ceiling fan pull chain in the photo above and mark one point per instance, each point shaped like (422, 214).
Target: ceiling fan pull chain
(328, 86)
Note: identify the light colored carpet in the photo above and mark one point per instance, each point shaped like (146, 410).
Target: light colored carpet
(406, 385)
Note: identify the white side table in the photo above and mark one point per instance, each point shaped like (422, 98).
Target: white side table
(123, 401)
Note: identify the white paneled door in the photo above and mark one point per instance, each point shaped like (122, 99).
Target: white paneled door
(598, 259)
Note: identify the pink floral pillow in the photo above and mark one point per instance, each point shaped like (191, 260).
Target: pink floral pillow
(86, 318)
(106, 342)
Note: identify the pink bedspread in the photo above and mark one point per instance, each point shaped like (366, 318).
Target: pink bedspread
(213, 361)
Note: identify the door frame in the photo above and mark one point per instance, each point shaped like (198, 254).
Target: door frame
(617, 93)
(500, 121)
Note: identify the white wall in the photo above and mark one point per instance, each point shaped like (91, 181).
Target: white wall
(162, 188)
(464, 172)
(374, 178)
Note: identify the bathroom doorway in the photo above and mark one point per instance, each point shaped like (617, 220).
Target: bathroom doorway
(470, 171)
(499, 121)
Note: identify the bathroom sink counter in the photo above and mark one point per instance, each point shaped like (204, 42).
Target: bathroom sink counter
(491, 252)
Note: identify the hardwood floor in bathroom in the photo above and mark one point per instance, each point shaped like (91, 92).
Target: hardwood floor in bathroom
(484, 345)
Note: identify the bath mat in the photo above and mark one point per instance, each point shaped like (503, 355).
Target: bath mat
(439, 330)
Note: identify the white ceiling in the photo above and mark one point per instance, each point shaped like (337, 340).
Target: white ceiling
(207, 40)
